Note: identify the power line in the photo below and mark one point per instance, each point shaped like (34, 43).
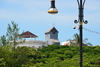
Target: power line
(91, 31)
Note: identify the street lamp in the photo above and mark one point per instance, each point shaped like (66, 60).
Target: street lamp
(80, 20)
(52, 9)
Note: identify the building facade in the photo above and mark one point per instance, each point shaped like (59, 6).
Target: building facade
(51, 37)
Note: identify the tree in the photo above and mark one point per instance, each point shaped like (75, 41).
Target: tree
(12, 34)
(3, 40)
(77, 39)
(86, 43)
(6, 56)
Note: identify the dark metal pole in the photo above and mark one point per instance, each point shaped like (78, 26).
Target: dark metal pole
(81, 46)
(81, 21)
(80, 29)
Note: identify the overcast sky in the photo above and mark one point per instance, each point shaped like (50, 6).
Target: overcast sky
(31, 15)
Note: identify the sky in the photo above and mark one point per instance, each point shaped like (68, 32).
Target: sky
(31, 15)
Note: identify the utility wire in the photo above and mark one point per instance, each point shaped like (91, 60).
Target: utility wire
(91, 31)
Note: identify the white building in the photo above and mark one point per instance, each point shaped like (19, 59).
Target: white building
(69, 42)
(51, 37)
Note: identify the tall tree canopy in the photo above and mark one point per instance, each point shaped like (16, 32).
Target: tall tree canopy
(3, 40)
(12, 33)
(77, 39)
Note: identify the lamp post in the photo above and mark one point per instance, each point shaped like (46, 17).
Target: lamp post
(80, 20)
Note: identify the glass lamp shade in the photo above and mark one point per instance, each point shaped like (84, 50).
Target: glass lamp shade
(53, 11)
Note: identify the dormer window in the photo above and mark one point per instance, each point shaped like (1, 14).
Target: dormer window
(53, 30)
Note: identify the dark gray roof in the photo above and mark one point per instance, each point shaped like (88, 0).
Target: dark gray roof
(53, 29)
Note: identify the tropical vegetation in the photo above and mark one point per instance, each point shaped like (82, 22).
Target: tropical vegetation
(76, 41)
(50, 56)
(12, 35)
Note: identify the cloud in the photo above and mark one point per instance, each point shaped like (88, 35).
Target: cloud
(92, 5)
(36, 10)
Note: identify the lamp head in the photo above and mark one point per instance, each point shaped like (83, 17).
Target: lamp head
(53, 9)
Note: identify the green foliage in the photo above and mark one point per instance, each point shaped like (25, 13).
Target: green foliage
(13, 34)
(77, 40)
(2, 62)
(6, 55)
(27, 55)
(12, 31)
(50, 56)
(3, 40)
